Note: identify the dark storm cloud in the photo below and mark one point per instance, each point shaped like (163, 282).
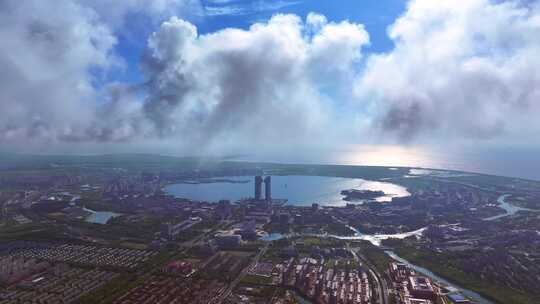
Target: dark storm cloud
(406, 120)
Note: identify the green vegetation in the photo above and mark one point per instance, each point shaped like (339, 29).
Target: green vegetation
(377, 257)
(341, 263)
(61, 163)
(273, 254)
(77, 163)
(252, 279)
(137, 230)
(108, 293)
(308, 242)
(128, 280)
(262, 292)
(367, 172)
(338, 229)
(132, 245)
(445, 267)
(32, 232)
(277, 227)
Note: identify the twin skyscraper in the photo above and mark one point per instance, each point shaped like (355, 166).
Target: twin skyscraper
(267, 188)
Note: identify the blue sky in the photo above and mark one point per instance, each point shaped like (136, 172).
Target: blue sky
(375, 15)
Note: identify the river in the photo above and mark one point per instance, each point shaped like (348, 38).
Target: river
(376, 240)
(508, 208)
(468, 293)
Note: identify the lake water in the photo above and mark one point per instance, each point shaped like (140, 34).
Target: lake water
(272, 237)
(100, 217)
(298, 190)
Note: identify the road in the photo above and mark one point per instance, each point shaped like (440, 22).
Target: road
(146, 273)
(220, 298)
(382, 287)
(201, 237)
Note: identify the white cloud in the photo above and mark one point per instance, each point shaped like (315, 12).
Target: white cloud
(337, 46)
(460, 69)
(117, 13)
(258, 87)
(46, 59)
(316, 21)
(242, 8)
(224, 10)
(247, 86)
(51, 57)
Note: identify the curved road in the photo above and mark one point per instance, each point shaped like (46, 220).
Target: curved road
(382, 287)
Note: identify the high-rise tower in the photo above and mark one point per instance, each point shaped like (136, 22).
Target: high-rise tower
(268, 188)
(258, 187)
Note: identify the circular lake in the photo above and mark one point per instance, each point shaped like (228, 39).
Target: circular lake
(298, 190)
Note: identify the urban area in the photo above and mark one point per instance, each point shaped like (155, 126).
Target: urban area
(111, 234)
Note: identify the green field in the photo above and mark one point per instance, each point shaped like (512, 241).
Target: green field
(445, 268)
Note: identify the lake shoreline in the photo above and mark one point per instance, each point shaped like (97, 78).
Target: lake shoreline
(299, 190)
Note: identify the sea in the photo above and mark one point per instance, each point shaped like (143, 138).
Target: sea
(503, 160)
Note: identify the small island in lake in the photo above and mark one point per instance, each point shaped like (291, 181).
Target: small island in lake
(355, 195)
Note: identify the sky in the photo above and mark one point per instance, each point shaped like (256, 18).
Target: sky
(284, 79)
